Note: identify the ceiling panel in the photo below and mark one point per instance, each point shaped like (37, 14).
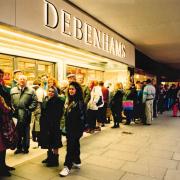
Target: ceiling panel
(152, 26)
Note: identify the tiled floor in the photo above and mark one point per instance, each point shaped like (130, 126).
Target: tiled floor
(134, 152)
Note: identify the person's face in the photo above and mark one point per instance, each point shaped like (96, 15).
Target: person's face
(22, 81)
(51, 92)
(71, 79)
(72, 90)
(50, 83)
(80, 80)
(44, 79)
(16, 75)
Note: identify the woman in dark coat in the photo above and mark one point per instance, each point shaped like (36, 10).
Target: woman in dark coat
(5, 102)
(50, 135)
(116, 104)
(74, 123)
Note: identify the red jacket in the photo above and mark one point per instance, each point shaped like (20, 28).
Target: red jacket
(105, 93)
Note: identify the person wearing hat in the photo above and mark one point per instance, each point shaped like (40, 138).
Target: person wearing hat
(16, 74)
(71, 78)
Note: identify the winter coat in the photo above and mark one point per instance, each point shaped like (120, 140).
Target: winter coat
(96, 93)
(75, 119)
(4, 92)
(4, 113)
(86, 93)
(116, 101)
(24, 103)
(51, 114)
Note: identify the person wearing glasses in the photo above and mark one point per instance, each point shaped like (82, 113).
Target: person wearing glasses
(50, 135)
(74, 123)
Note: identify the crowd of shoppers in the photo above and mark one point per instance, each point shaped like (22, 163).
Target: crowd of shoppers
(72, 107)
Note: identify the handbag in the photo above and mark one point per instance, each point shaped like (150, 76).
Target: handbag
(8, 132)
(128, 104)
(100, 101)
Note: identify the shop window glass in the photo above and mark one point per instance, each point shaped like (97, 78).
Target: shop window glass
(76, 70)
(28, 68)
(46, 68)
(6, 64)
(33, 69)
(89, 74)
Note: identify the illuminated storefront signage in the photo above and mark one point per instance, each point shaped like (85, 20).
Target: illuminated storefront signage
(74, 27)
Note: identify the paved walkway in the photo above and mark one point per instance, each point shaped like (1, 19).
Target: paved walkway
(132, 152)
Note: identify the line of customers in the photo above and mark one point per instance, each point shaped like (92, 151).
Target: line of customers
(78, 104)
(48, 108)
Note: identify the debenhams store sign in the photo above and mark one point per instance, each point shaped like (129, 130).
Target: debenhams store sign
(61, 21)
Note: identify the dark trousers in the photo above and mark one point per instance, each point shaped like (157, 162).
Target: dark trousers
(129, 116)
(2, 159)
(160, 105)
(117, 116)
(143, 119)
(100, 115)
(103, 115)
(23, 130)
(92, 116)
(73, 152)
(155, 108)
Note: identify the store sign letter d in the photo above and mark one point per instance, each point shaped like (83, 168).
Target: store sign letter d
(51, 16)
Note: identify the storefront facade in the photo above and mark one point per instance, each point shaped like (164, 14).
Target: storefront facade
(55, 38)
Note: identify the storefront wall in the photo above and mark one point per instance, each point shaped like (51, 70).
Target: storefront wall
(42, 26)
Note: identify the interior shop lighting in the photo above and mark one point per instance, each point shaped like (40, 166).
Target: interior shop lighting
(44, 54)
(43, 49)
(53, 45)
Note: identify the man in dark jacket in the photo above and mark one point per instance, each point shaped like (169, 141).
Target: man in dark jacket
(24, 101)
(16, 74)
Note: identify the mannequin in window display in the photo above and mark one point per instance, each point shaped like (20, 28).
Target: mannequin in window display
(16, 74)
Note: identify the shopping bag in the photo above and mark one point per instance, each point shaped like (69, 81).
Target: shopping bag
(128, 104)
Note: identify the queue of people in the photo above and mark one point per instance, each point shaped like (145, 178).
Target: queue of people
(72, 108)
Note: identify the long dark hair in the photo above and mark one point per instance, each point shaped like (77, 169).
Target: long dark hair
(79, 93)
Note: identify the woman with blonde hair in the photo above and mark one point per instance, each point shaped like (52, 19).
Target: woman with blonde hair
(53, 82)
(116, 104)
